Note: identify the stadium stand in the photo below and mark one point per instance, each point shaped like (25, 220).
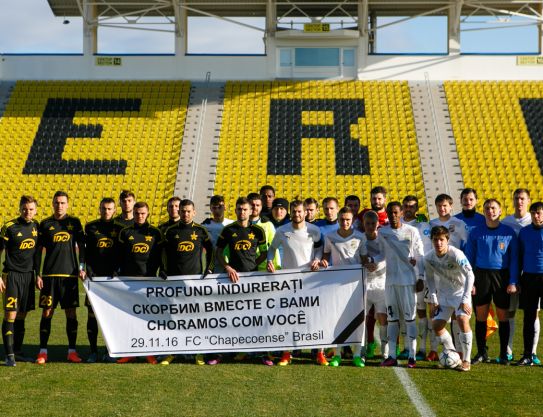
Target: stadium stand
(318, 139)
(498, 130)
(92, 139)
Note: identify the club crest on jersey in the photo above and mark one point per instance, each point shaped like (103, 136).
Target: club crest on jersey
(185, 246)
(104, 243)
(61, 237)
(140, 248)
(451, 228)
(27, 244)
(501, 245)
(242, 245)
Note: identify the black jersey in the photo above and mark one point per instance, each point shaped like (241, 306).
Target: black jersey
(100, 247)
(19, 239)
(243, 244)
(184, 245)
(140, 249)
(122, 222)
(60, 238)
(163, 226)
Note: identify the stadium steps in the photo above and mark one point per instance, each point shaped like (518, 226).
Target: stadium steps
(437, 148)
(6, 88)
(198, 160)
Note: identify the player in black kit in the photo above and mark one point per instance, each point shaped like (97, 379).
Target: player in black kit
(127, 199)
(60, 235)
(19, 239)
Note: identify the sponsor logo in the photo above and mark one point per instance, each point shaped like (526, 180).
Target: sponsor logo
(185, 246)
(140, 248)
(27, 244)
(104, 243)
(242, 245)
(61, 237)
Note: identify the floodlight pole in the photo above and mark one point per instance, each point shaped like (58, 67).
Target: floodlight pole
(90, 29)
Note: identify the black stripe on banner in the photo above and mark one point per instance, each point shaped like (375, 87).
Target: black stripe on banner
(351, 327)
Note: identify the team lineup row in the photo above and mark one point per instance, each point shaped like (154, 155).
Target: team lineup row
(409, 263)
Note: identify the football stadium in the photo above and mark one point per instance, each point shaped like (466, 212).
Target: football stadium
(323, 110)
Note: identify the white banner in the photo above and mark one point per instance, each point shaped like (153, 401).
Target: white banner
(290, 309)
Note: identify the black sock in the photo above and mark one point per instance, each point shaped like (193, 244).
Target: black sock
(8, 329)
(45, 331)
(19, 335)
(504, 337)
(71, 331)
(480, 336)
(92, 332)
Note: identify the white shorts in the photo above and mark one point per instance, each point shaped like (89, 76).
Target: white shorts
(376, 297)
(445, 313)
(401, 302)
(422, 298)
(513, 302)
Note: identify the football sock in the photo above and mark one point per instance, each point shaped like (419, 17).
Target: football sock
(71, 331)
(511, 335)
(466, 340)
(45, 331)
(411, 327)
(393, 330)
(384, 341)
(92, 333)
(536, 335)
(503, 329)
(19, 335)
(455, 334)
(8, 329)
(446, 340)
(480, 336)
(423, 333)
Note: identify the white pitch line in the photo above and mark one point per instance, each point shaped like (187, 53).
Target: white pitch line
(414, 394)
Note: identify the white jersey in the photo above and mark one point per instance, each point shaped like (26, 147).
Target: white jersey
(215, 228)
(300, 246)
(517, 223)
(458, 231)
(449, 278)
(376, 249)
(402, 245)
(424, 229)
(345, 250)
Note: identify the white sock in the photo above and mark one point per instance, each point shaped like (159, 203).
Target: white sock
(511, 335)
(466, 340)
(71, 350)
(412, 337)
(434, 342)
(393, 330)
(357, 349)
(456, 331)
(43, 350)
(423, 333)
(384, 341)
(537, 328)
(403, 332)
(446, 340)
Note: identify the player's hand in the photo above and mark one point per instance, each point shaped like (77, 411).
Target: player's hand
(466, 308)
(473, 291)
(232, 274)
(419, 286)
(2, 286)
(270, 267)
(39, 282)
(324, 263)
(412, 261)
(371, 267)
(511, 289)
(163, 275)
(315, 265)
(82, 275)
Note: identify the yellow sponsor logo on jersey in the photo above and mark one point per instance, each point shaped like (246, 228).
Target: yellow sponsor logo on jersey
(185, 246)
(61, 237)
(104, 243)
(242, 245)
(140, 248)
(27, 244)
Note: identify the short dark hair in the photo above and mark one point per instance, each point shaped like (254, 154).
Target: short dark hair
(141, 204)
(537, 206)
(345, 210)
(61, 194)
(393, 204)
(440, 231)
(492, 200)
(521, 191)
(378, 190)
(296, 203)
(442, 198)
(241, 201)
(311, 200)
(216, 199)
(372, 214)
(186, 202)
(467, 191)
(173, 199)
(107, 200)
(328, 200)
(254, 196)
(265, 188)
(352, 197)
(125, 194)
(409, 198)
(27, 199)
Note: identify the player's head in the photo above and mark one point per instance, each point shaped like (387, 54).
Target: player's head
(492, 210)
(268, 195)
(394, 214)
(256, 205)
(444, 204)
(28, 207)
(107, 208)
(370, 222)
(536, 211)
(279, 209)
(410, 205)
(468, 199)
(353, 202)
(243, 209)
(521, 200)
(173, 207)
(60, 204)
(345, 218)
(127, 199)
(440, 236)
(297, 211)
(311, 208)
(186, 211)
(330, 207)
(217, 207)
(378, 198)
(141, 212)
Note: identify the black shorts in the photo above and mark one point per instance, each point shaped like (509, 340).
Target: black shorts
(531, 286)
(491, 285)
(19, 294)
(59, 290)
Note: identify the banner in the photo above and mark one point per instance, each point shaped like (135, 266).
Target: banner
(290, 309)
